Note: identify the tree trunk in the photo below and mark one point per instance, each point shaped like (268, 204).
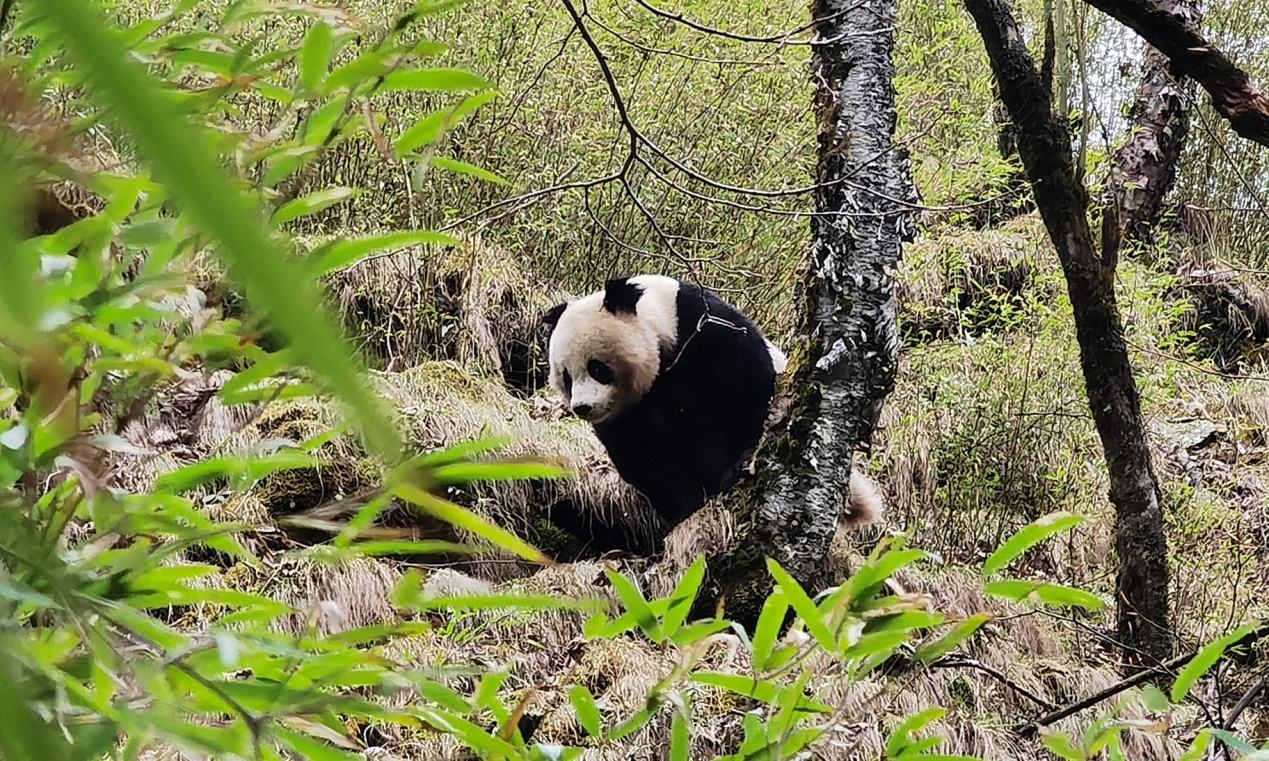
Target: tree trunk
(1045, 146)
(844, 365)
(1144, 167)
(1173, 31)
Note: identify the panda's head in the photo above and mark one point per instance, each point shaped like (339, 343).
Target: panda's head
(605, 349)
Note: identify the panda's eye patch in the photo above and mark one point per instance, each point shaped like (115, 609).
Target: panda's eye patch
(601, 372)
(568, 382)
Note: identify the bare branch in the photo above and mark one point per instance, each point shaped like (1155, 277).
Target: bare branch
(1166, 669)
(775, 39)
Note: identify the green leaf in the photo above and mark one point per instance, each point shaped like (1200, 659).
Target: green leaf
(466, 472)
(1198, 749)
(901, 737)
(587, 712)
(683, 596)
(315, 56)
(1061, 746)
(468, 521)
(1204, 660)
(1235, 742)
(869, 578)
(680, 735)
(762, 690)
(462, 167)
(1027, 537)
(318, 125)
(309, 748)
(432, 80)
(345, 253)
(927, 652)
(1049, 594)
(767, 630)
(1154, 699)
(426, 130)
(470, 602)
(312, 203)
(368, 65)
(250, 469)
(183, 156)
(805, 607)
(25, 735)
(635, 603)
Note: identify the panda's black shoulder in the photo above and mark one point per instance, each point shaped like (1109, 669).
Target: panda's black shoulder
(696, 306)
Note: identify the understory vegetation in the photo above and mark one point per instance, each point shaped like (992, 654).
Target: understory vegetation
(277, 458)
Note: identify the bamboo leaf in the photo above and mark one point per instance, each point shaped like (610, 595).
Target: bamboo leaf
(432, 80)
(804, 606)
(315, 56)
(1027, 537)
(312, 203)
(932, 651)
(345, 253)
(462, 167)
(587, 712)
(1204, 660)
(426, 130)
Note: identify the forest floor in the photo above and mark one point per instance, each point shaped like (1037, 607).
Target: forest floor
(987, 430)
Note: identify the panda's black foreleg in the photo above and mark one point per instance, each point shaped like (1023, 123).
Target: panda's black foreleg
(598, 534)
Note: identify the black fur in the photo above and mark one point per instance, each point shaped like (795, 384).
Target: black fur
(689, 437)
(621, 296)
(552, 316)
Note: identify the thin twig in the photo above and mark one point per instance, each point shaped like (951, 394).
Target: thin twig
(776, 39)
(959, 662)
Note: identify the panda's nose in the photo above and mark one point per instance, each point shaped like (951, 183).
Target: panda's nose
(581, 410)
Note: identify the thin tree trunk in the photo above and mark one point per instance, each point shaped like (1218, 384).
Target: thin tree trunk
(844, 366)
(1175, 33)
(1045, 146)
(1144, 167)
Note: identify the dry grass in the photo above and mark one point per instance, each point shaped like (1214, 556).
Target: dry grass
(472, 303)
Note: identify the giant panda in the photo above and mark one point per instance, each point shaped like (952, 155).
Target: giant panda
(677, 384)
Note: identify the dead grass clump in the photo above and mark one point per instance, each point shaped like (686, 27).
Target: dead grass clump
(1230, 315)
(967, 283)
(331, 595)
(471, 303)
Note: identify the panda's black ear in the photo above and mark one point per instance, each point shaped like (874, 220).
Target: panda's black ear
(552, 315)
(621, 296)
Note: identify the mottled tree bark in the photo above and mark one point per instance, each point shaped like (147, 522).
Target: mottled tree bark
(1144, 168)
(1045, 146)
(1174, 32)
(844, 364)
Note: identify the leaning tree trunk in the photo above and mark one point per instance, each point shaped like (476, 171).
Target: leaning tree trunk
(1175, 33)
(1045, 145)
(1144, 167)
(844, 366)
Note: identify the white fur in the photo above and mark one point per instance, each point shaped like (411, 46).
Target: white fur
(629, 343)
(778, 360)
(866, 505)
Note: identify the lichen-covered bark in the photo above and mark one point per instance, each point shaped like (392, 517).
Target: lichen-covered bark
(1144, 167)
(845, 365)
(1045, 146)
